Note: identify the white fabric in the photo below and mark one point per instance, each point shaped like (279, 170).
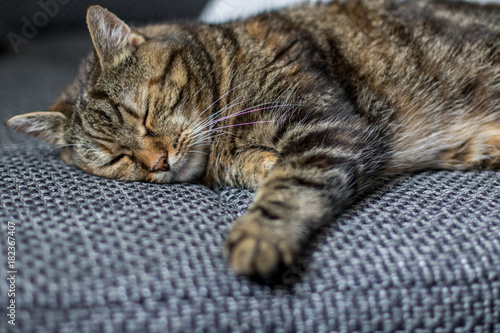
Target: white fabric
(224, 10)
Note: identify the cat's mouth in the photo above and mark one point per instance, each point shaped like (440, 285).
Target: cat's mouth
(182, 169)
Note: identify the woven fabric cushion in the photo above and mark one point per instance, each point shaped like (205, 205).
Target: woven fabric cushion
(99, 255)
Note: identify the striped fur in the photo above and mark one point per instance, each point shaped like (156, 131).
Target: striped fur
(311, 105)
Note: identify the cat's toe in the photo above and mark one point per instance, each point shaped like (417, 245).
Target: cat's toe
(253, 256)
(255, 251)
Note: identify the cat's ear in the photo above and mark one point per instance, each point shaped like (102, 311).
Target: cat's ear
(113, 39)
(45, 125)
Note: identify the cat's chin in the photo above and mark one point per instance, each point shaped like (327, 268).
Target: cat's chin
(189, 169)
(171, 177)
(162, 178)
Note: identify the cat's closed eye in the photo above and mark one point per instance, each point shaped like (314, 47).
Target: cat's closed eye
(118, 158)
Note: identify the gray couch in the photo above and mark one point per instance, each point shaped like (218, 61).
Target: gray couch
(97, 255)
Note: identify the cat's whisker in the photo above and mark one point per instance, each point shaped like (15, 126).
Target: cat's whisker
(218, 99)
(231, 105)
(241, 124)
(205, 139)
(206, 132)
(198, 152)
(207, 123)
(216, 114)
(206, 142)
(210, 119)
(70, 145)
(246, 111)
(211, 129)
(196, 94)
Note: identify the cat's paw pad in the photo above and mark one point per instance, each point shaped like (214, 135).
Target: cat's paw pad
(256, 251)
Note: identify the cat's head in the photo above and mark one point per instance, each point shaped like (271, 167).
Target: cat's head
(136, 108)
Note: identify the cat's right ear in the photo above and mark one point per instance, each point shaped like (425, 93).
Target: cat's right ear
(113, 40)
(46, 125)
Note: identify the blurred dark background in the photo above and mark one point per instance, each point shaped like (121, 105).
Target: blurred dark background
(23, 20)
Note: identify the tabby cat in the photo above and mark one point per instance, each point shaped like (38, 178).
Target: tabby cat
(312, 105)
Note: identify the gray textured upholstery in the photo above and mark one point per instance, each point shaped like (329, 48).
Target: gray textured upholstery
(98, 255)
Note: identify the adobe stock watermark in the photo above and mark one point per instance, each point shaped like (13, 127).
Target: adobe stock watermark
(30, 28)
(11, 273)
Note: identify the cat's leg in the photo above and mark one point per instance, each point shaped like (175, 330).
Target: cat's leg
(470, 143)
(478, 149)
(320, 169)
(248, 167)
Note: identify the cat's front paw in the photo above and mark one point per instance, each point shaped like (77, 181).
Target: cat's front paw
(258, 251)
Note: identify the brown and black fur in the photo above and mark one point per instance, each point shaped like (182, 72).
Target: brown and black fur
(311, 105)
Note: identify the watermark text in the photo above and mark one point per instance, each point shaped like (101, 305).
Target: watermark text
(11, 273)
(48, 9)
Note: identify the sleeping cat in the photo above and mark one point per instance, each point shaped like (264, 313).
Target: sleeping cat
(311, 105)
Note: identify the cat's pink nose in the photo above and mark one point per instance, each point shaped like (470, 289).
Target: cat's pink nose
(161, 164)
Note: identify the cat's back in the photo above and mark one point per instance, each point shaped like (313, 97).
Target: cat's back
(378, 35)
(397, 24)
(394, 50)
(416, 67)
(376, 13)
(413, 55)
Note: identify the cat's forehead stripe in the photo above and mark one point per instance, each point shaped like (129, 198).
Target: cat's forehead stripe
(169, 63)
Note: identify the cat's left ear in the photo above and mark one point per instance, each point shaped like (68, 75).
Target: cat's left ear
(46, 125)
(113, 40)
